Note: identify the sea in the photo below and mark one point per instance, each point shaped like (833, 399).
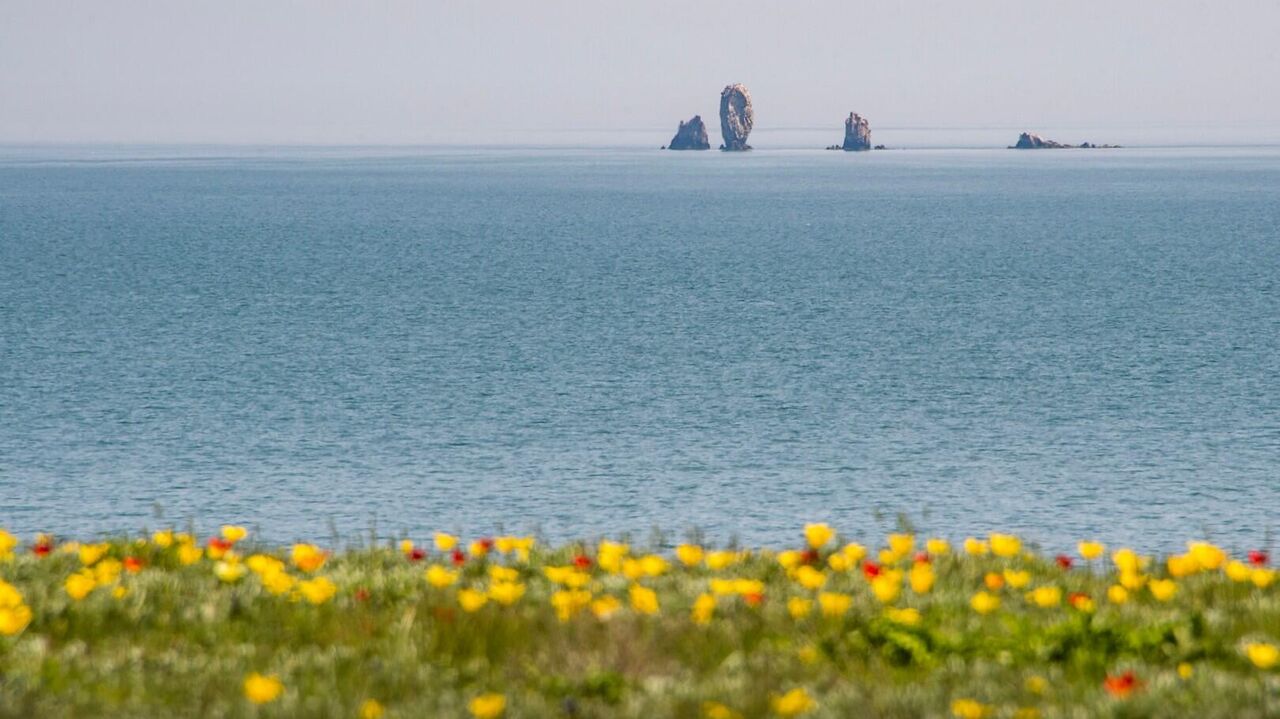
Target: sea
(355, 344)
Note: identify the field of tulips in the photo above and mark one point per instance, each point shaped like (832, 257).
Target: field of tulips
(168, 624)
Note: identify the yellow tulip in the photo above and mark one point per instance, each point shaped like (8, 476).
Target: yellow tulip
(937, 547)
(790, 558)
(799, 607)
(834, 604)
(690, 555)
(975, 547)
(568, 602)
(371, 709)
(308, 557)
(643, 599)
(1206, 555)
(439, 577)
(703, 608)
(909, 616)
(969, 709)
(1091, 550)
(445, 542)
(810, 578)
(470, 600)
(921, 578)
(1126, 560)
(1162, 589)
(14, 619)
(853, 552)
(318, 590)
(230, 572)
(1117, 594)
(189, 554)
(719, 560)
(233, 533)
(1005, 545)
(984, 603)
(1238, 571)
(1017, 579)
(605, 607)
(91, 553)
(817, 535)
(793, 703)
(887, 586)
(1263, 655)
(902, 544)
(487, 706)
(79, 585)
(506, 593)
(1262, 577)
(1045, 597)
(261, 689)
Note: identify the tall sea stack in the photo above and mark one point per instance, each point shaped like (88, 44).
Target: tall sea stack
(736, 117)
(691, 135)
(857, 133)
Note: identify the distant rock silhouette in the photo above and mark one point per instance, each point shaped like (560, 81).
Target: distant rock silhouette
(736, 117)
(1032, 141)
(857, 133)
(691, 135)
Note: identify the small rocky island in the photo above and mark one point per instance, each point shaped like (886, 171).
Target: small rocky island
(691, 135)
(1032, 141)
(857, 133)
(736, 117)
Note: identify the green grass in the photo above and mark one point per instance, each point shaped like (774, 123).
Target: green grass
(173, 639)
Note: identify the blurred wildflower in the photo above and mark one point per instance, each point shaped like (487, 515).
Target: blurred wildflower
(984, 603)
(969, 709)
(1262, 654)
(818, 535)
(487, 706)
(793, 703)
(261, 689)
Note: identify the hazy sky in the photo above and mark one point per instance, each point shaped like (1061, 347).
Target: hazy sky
(397, 71)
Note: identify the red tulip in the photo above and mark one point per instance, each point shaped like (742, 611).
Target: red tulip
(220, 543)
(1257, 557)
(458, 557)
(809, 556)
(1063, 561)
(42, 549)
(753, 599)
(133, 565)
(582, 561)
(417, 554)
(1121, 686)
(870, 569)
(487, 543)
(923, 558)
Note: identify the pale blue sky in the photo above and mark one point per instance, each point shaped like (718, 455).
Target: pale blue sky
(397, 71)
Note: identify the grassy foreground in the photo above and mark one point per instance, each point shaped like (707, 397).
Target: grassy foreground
(167, 625)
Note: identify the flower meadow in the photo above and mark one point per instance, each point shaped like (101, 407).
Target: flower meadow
(171, 624)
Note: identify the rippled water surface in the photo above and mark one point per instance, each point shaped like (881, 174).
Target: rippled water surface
(578, 342)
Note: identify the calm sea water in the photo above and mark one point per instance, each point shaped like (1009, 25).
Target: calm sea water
(581, 342)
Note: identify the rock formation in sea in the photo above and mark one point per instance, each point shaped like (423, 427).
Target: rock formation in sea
(857, 133)
(1031, 141)
(691, 135)
(736, 117)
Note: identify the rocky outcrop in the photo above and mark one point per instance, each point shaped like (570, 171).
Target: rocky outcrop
(691, 135)
(736, 117)
(1031, 141)
(857, 133)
